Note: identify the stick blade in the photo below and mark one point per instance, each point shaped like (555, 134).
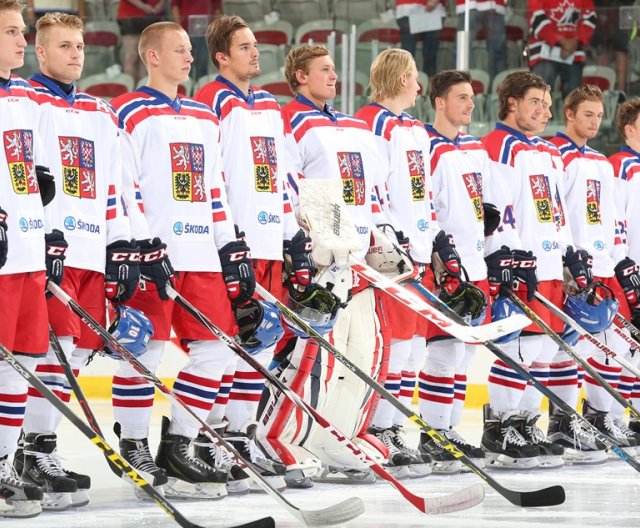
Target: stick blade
(458, 501)
(496, 329)
(338, 513)
(265, 522)
(551, 496)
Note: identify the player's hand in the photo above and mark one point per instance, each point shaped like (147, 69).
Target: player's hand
(525, 277)
(155, 265)
(56, 247)
(237, 271)
(499, 270)
(122, 270)
(627, 274)
(579, 265)
(298, 251)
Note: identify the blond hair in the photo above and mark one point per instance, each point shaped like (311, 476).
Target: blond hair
(11, 5)
(299, 59)
(386, 72)
(151, 37)
(56, 18)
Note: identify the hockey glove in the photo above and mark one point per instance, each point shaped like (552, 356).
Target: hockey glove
(46, 184)
(445, 262)
(298, 249)
(237, 271)
(4, 243)
(627, 274)
(579, 265)
(499, 270)
(525, 277)
(155, 265)
(491, 218)
(122, 270)
(56, 247)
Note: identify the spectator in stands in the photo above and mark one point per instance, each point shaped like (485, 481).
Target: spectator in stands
(194, 16)
(133, 16)
(407, 9)
(488, 15)
(36, 8)
(610, 37)
(559, 33)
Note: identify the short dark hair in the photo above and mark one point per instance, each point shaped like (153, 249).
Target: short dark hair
(627, 115)
(516, 85)
(441, 83)
(220, 32)
(585, 92)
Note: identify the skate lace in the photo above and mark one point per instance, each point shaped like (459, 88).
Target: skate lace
(49, 463)
(612, 427)
(622, 426)
(454, 437)
(580, 434)
(221, 458)
(141, 459)
(398, 439)
(536, 434)
(386, 437)
(8, 473)
(512, 437)
(184, 453)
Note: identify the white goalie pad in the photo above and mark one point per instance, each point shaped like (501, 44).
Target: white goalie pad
(331, 228)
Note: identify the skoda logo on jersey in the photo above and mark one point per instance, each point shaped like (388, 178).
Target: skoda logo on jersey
(546, 245)
(599, 245)
(69, 223)
(422, 225)
(24, 225)
(265, 218)
(178, 228)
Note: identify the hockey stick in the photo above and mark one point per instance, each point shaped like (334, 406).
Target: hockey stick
(572, 353)
(621, 322)
(544, 497)
(457, 501)
(606, 440)
(342, 512)
(468, 334)
(108, 451)
(590, 337)
(77, 390)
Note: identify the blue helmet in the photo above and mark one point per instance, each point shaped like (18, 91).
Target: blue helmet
(316, 305)
(502, 308)
(592, 315)
(132, 329)
(259, 325)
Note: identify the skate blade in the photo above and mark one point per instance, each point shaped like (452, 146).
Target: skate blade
(21, 509)
(446, 467)
(346, 477)
(480, 462)
(398, 472)
(143, 496)
(238, 487)
(79, 498)
(419, 471)
(53, 501)
(498, 461)
(550, 461)
(181, 489)
(275, 481)
(577, 457)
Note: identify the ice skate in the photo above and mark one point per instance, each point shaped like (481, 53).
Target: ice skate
(442, 463)
(189, 477)
(631, 435)
(551, 455)
(398, 461)
(504, 446)
(419, 466)
(605, 422)
(23, 500)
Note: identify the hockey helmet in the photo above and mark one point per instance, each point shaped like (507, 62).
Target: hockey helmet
(501, 308)
(316, 305)
(468, 301)
(591, 313)
(132, 329)
(259, 325)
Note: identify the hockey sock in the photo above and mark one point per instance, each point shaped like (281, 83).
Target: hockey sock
(635, 394)
(399, 354)
(532, 397)
(460, 385)
(598, 397)
(563, 381)
(217, 412)
(416, 360)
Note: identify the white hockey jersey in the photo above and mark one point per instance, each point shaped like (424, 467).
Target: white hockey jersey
(591, 204)
(460, 170)
(521, 187)
(403, 140)
(19, 190)
(177, 158)
(80, 135)
(329, 144)
(253, 157)
(626, 171)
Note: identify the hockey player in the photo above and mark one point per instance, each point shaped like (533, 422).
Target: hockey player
(527, 247)
(174, 144)
(80, 135)
(24, 270)
(330, 145)
(253, 143)
(598, 225)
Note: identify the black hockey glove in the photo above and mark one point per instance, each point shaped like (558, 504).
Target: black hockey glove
(122, 270)
(579, 265)
(491, 218)
(627, 274)
(525, 277)
(4, 243)
(46, 184)
(237, 271)
(56, 247)
(445, 262)
(499, 270)
(155, 265)
(299, 251)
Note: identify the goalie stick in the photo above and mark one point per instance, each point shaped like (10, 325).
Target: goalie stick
(606, 440)
(572, 353)
(545, 497)
(590, 337)
(341, 512)
(468, 334)
(457, 501)
(621, 322)
(108, 451)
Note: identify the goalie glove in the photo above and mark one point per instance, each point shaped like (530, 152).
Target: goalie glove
(298, 251)
(56, 247)
(445, 262)
(499, 270)
(122, 270)
(237, 271)
(4, 242)
(46, 184)
(525, 277)
(627, 274)
(491, 218)
(155, 265)
(578, 264)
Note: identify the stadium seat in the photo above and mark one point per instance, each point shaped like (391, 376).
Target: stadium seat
(604, 78)
(250, 10)
(107, 86)
(356, 11)
(186, 88)
(101, 38)
(275, 84)
(480, 83)
(299, 11)
(374, 36)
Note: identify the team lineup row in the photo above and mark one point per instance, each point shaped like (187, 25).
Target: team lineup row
(247, 210)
